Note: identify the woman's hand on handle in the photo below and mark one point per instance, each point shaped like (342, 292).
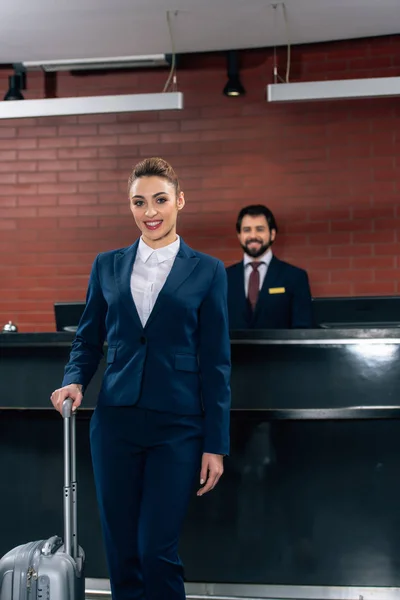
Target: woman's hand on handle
(212, 467)
(73, 391)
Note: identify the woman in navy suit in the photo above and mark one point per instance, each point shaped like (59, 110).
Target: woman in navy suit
(162, 416)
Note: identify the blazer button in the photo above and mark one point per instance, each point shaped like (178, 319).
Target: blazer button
(142, 340)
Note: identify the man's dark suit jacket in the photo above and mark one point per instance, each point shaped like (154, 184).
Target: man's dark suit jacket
(284, 301)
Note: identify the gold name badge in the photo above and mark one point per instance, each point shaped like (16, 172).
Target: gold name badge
(280, 290)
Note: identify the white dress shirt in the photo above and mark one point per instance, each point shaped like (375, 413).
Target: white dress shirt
(265, 259)
(149, 274)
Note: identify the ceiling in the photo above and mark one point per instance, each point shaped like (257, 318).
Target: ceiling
(65, 29)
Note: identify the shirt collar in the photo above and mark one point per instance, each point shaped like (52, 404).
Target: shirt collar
(264, 258)
(160, 254)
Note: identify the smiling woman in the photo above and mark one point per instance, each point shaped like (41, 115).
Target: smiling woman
(155, 213)
(163, 412)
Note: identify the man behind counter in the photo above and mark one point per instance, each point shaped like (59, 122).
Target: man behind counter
(263, 291)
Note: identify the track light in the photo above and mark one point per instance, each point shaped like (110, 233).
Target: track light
(16, 83)
(233, 86)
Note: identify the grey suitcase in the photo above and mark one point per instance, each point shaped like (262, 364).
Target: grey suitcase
(50, 569)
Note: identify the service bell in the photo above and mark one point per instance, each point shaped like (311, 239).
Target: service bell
(10, 327)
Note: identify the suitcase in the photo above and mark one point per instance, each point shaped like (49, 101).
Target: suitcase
(50, 569)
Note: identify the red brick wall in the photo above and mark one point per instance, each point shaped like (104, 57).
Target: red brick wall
(330, 172)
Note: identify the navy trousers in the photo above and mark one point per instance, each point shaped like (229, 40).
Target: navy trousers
(146, 466)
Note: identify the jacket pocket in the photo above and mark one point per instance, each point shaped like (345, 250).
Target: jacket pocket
(111, 352)
(186, 362)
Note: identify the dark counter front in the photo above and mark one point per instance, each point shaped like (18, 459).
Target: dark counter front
(32, 366)
(310, 494)
(275, 371)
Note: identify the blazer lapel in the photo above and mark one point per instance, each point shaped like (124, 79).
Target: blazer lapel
(185, 262)
(271, 277)
(123, 270)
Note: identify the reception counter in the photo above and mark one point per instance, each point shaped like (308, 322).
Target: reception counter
(309, 505)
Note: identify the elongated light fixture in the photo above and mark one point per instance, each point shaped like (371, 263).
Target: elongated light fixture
(90, 105)
(377, 87)
(147, 61)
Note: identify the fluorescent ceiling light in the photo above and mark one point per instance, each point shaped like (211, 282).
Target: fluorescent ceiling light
(91, 105)
(378, 87)
(117, 62)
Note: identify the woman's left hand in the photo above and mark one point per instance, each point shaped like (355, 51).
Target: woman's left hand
(212, 467)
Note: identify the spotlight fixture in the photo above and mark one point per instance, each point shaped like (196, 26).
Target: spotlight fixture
(16, 83)
(233, 86)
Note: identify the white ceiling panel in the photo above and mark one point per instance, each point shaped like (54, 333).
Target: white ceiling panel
(66, 29)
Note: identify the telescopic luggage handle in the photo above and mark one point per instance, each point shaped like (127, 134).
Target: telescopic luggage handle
(70, 485)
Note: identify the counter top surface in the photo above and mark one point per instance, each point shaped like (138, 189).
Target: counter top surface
(271, 336)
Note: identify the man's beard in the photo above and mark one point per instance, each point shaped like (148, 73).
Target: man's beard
(256, 252)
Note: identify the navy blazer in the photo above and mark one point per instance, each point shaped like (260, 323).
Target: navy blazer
(284, 301)
(180, 361)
